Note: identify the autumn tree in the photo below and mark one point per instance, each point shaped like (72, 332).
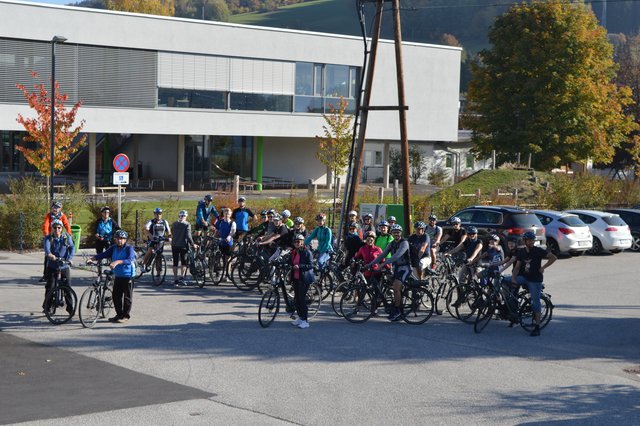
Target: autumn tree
(66, 139)
(546, 87)
(209, 10)
(150, 7)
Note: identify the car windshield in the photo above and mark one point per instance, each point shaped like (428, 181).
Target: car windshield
(572, 221)
(614, 220)
(526, 220)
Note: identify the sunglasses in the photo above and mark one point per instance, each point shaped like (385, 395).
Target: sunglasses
(57, 227)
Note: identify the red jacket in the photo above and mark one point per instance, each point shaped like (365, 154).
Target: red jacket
(368, 254)
(46, 225)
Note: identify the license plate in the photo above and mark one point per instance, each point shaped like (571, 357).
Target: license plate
(625, 241)
(583, 243)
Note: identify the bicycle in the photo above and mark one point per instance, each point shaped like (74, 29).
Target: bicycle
(270, 303)
(60, 301)
(197, 265)
(156, 264)
(97, 300)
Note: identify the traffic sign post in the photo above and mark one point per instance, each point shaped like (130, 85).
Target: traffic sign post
(121, 164)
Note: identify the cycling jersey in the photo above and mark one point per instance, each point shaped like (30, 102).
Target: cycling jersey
(203, 213)
(50, 217)
(127, 269)
(226, 229)
(470, 246)
(106, 228)
(383, 241)
(434, 232)
(157, 228)
(61, 247)
(323, 235)
(241, 216)
(456, 236)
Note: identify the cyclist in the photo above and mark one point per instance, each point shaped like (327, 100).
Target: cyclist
(420, 245)
(123, 263)
(181, 231)
(494, 253)
(352, 242)
(323, 235)
(529, 271)
(286, 218)
(391, 220)
(298, 229)
(276, 239)
(225, 230)
(260, 229)
(54, 213)
(435, 235)
(353, 218)
(400, 259)
(368, 252)
(510, 255)
(58, 246)
(367, 223)
(472, 247)
(457, 234)
(383, 238)
(105, 228)
(241, 215)
(157, 228)
(301, 277)
(205, 214)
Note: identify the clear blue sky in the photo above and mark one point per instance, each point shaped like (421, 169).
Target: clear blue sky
(62, 2)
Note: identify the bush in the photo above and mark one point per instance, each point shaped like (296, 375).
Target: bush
(21, 214)
(438, 176)
(94, 206)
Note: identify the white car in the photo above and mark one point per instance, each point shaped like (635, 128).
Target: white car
(565, 232)
(609, 231)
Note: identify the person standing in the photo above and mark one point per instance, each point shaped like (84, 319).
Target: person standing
(180, 241)
(105, 228)
(123, 263)
(226, 229)
(157, 228)
(240, 216)
(301, 276)
(419, 244)
(322, 234)
(58, 246)
(435, 234)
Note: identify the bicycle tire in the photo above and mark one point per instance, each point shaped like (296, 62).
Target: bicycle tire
(525, 312)
(485, 311)
(336, 296)
(357, 304)
(139, 252)
(107, 302)
(314, 300)
(158, 272)
(326, 283)
(237, 277)
(58, 313)
(417, 305)
(217, 267)
(199, 271)
(90, 307)
(269, 308)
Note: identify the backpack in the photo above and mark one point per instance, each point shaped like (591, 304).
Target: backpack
(408, 254)
(414, 256)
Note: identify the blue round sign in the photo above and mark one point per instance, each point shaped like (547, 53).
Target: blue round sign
(121, 163)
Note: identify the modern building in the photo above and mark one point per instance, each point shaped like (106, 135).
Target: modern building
(192, 101)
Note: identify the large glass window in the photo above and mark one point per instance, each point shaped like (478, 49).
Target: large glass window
(215, 158)
(260, 102)
(337, 81)
(181, 98)
(304, 78)
(319, 87)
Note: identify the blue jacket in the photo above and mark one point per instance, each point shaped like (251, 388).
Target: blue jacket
(323, 235)
(60, 247)
(203, 212)
(128, 268)
(306, 266)
(106, 229)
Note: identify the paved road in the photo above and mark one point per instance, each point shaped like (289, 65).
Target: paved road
(198, 356)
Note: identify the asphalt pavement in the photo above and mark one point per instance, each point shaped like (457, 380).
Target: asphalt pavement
(199, 356)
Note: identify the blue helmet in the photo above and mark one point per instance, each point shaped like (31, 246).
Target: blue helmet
(121, 233)
(529, 236)
(420, 225)
(455, 219)
(383, 223)
(158, 210)
(396, 228)
(472, 230)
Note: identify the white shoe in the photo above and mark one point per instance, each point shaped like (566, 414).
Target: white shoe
(296, 321)
(303, 324)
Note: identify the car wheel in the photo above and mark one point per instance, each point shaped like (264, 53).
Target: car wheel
(635, 242)
(552, 246)
(597, 246)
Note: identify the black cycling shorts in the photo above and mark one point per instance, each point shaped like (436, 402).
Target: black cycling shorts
(179, 254)
(402, 273)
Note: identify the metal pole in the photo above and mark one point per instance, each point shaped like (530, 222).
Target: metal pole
(404, 140)
(53, 115)
(119, 206)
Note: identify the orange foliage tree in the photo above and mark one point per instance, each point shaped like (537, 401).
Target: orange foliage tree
(66, 140)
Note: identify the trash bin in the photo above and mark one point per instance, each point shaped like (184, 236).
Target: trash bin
(76, 230)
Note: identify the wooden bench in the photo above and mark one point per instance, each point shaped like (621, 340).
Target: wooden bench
(104, 190)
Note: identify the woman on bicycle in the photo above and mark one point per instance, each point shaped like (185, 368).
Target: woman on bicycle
(301, 277)
(368, 253)
(226, 229)
(57, 246)
(322, 234)
(123, 260)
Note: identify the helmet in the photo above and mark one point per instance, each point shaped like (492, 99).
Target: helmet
(494, 237)
(208, 197)
(370, 234)
(368, 216)
(158, 210)
(56, 222)
(455, 219)
(396, 228)
(433, 217)
(105, 209)
(353, 213)
(321, 216)
(121, 233)
(391, 218)
(420, 225)
(298, 237)
(263, 213)
(383, 223)
(298, 220)
(56, 205)
(529, 236)
(271, 211)
(276, 217)
(241, 199)
(183, 213)
(513, 239)
(286, 213)
(472, 230)
(353, 225)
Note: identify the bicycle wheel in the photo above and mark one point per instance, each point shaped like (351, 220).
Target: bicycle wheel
(314, 299)
(159, 270)
(238, 274)
(89, 308)
(525, 311)
(269, 307)
(216, 267)
(464, 305)
(60, 304)
(140, 252)
(107, 302)
(417, 305)
(485, 312)
(357, 304)
(198, 271)
(326, 282)
(336, 296)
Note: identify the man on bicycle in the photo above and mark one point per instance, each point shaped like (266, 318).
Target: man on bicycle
(455, 235)
(529, 271)
(240, 216)
(206, 214)
(58, 246)
(181, 231)
(400, 259)
(260, 229)
(275, 238)
(472, 247)
(420, 245)
(157, 228)
(105, 228)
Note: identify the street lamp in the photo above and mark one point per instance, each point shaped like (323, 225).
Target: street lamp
(54, 40)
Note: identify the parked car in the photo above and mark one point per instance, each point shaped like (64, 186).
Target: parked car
(632, 218)
(565, 232)
(506, 221)
(610, 232)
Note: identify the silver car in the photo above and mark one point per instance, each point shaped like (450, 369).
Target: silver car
(565, 232)
(610, 232)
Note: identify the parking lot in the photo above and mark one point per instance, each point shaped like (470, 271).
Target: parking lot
(198, 356)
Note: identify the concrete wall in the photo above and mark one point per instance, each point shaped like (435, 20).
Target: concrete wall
(293, 159)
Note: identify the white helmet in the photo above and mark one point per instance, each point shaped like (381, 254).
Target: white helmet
(286, 213)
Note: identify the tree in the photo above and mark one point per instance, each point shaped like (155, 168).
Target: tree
(546, 87)
(66, 139)
(416, 166)
(214, 10)
(150, 7)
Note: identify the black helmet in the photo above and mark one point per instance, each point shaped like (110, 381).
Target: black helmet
(105, 209)
(472, 230)
(433, 217)
(321, 216)
(529, 236)
(263, 213)
(208, 197)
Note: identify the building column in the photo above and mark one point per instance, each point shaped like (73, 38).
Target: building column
(91, 183)
(180, 163)
(259, 159)
(385, 166)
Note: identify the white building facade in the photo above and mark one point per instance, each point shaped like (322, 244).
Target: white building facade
(189, 101)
